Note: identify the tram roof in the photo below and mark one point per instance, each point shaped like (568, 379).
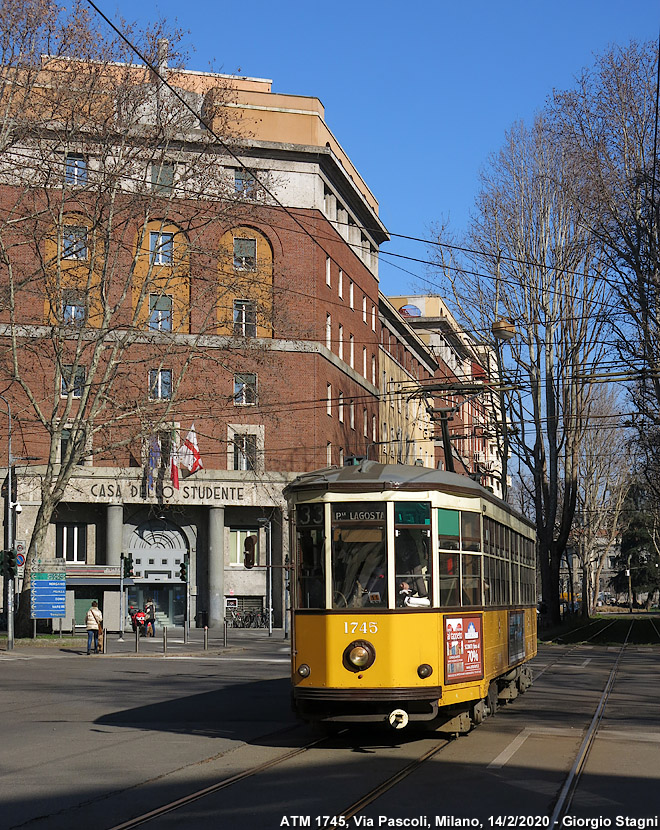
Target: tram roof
(370, 476)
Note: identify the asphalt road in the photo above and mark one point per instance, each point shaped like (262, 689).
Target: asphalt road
(91, 742)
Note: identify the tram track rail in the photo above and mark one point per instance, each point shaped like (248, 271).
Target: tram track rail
(224, 783)
(560, 807)
(566, 794)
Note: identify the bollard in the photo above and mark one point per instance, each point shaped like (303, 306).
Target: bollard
(206, 638)
(73, 626)
(165, 640)
(137, 639)
(185, 632)
(34, 628)
(105, 641)
(225, 634)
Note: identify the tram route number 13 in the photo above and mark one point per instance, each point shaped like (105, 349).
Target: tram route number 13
(360, 627)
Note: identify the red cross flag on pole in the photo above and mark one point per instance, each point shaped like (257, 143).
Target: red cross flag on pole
(189, 456)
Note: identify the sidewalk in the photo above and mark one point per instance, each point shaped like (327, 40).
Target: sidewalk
(251, 641)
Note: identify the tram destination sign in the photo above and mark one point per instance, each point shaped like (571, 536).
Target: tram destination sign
(358, 512)
(48, 593)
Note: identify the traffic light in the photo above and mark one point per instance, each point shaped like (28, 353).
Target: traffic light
(249, 549)
(183, 571)
(11, 569)
(128, 567)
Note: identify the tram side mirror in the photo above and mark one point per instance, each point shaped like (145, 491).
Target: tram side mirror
(249, 547)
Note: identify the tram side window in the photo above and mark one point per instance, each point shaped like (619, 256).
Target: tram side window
(448, 529)
(359, 555)
(449, 580)
(471, 565)
(310, 558)
(470, 531)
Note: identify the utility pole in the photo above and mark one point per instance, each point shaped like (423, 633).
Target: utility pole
(9, 576)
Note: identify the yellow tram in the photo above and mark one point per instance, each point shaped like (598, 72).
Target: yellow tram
(413, 597)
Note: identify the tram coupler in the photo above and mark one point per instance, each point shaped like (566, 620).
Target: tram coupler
(398, 719)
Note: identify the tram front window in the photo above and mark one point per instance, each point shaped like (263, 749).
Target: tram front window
(411, 555)
(310, 556)
(359, 556)
(311, 575)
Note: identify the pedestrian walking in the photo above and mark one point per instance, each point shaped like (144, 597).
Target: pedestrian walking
(93, 624)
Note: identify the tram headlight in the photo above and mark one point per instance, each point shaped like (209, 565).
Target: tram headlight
(424, 670)
(359, 655)
(304, 670)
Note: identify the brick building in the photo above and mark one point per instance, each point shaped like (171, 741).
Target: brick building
(238, 295)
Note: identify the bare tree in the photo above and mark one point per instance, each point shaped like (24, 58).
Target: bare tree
(115, 263)
(535, 264)
(605, 467)
(608, 126)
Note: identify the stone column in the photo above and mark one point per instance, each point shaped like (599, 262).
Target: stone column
(216, 559)
(114, 534)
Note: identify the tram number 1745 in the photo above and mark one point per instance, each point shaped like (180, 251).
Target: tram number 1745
(360, 627)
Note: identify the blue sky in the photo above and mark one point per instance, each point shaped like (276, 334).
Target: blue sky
(418, 94)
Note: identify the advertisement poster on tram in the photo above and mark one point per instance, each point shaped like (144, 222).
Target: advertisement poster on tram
(463, 649)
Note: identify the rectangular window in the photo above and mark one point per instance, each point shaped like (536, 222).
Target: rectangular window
(245, 254)
(340, 407)
(351, 298)
(351, 342)
(162, 178)
(328, 454)
(70, 383)
(364, 308)
(71, 541)
(364, 361)
(340, 284)
(340, 344)
(365, 423)
(351, 414)
(74, 242)
(359, 555)
(160, 384)
(64, 443)
(237, 545)
(448, 529)
(160, 312)
(327, 270)
(328, 331)
(328, 406)
(75, 169)
(245, 318)
(373, 369)
(245, 451)
(470, 531)
(245, 389)
(161, 248)
(74, 308)
(374, 432)
(245, 183)
(373, 318)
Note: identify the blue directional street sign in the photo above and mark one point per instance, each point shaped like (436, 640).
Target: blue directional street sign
(48, 595)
